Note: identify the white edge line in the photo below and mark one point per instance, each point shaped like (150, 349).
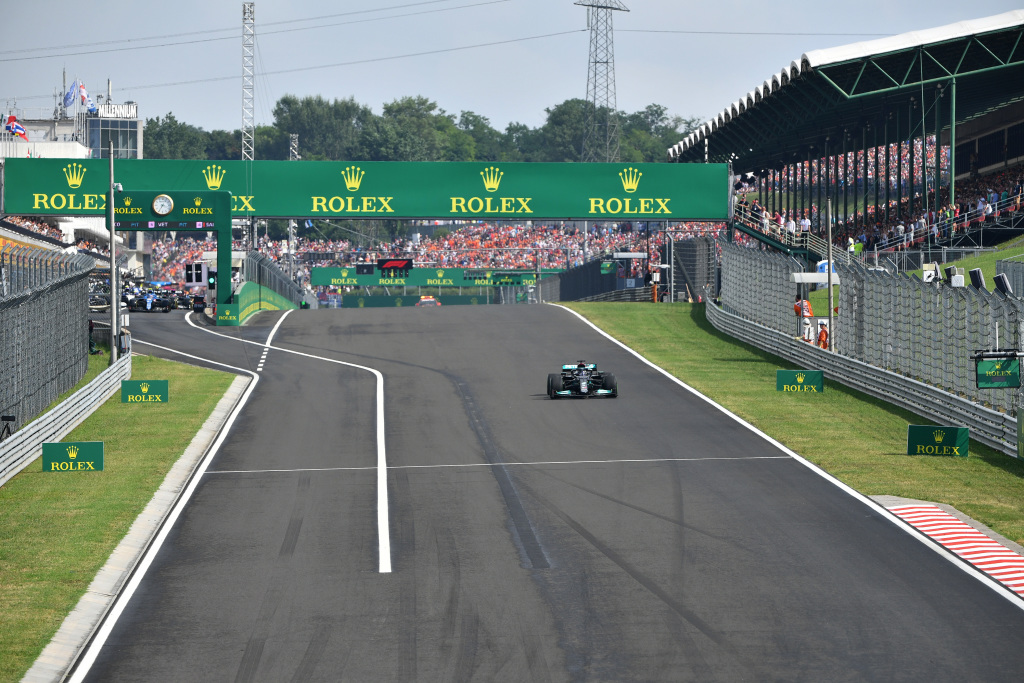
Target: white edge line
(124, 595)
(383, 521)
(909, 529)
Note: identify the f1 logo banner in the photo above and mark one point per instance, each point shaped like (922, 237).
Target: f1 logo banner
(77, 456)
(932, 440)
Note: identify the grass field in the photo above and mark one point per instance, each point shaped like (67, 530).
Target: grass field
(58, 529)
(859, 439)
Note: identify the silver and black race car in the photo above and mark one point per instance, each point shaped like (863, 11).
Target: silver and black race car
(581, 380)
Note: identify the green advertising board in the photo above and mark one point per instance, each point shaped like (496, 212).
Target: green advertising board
(932, 440)
(422, 277)
(359, 301)
(381, 189)
(144, 391)
(800, 381)
(997, 373)
(74, 456)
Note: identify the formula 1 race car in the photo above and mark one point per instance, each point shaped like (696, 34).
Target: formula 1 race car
(580, 380)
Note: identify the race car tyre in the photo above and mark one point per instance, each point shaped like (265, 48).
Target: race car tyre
(554, 385)
(610, 385)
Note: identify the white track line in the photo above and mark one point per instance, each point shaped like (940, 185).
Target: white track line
(885, 514)
(383, 521)
(497, 464)
(125, 595)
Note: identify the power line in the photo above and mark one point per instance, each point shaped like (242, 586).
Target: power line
(263, 33)
(748, 33)
(122, 41)
(371, 60)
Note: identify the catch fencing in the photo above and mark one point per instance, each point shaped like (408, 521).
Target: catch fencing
(44, 328)
(913, 337)
(265, 272)
(694, 267)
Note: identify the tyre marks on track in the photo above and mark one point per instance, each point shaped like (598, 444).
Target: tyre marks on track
(693, 654)
(526, 539)
(278, 586)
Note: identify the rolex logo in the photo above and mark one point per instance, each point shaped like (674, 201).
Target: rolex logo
(198, 201)
(440, 273)
(800, 377)
(74, 173)
(214, 176)
(344, 272)
(144, 387)
(492, 178)
(353, 176)
(72, 452)
(630, 178)
(127, 201)
(939, 435)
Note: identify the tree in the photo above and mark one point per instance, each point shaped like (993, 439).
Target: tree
(487, 142)
(561, 135)
(168, 139)
(327, 130)
(223, 145)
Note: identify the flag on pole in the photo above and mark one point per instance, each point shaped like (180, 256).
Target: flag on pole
(69, 96)
(86, 99)
(16, 128)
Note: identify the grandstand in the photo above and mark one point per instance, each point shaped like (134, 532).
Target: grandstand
(916, 139)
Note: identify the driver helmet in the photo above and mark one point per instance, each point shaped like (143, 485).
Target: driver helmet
(582, 365)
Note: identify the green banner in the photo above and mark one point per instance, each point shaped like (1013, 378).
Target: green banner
(358, 301)
(997, 373)
(144, 391)
(932, 440)
(380, 189)
(423, 277)
(74, 456)
(807, 381)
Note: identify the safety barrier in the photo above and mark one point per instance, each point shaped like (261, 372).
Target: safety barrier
(992, 428)
(26, 444)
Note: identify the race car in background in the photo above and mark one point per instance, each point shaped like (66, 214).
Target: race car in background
(582, 380)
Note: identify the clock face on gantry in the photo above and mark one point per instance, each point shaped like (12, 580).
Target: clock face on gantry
(162, 205)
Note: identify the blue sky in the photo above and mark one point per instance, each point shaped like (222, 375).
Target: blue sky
(185, 57)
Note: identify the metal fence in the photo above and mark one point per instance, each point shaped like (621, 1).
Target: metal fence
(1013, 268)
(756, 286)
(265, 272)
(898, 323)
(694, 267)
(990, 427)
(44, 328)
(19, 451)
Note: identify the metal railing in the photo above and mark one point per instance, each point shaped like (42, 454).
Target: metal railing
(265, 272)
(44, 328)
(798, 240)
(992, 428)
(893, 335)
(26, 445)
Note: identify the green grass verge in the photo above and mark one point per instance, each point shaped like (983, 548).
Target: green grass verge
(860, 440)
(58, 529)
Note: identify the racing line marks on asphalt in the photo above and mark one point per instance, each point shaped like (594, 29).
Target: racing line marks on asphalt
(506, 463)
(383, 519)
(873, 505)
(1002, 564)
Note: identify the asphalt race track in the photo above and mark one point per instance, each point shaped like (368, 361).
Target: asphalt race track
(645, 538)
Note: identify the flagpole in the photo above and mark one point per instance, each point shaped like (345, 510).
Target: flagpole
(115, 295)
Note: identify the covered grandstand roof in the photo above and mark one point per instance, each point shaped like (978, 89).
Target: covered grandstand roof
(868, 88)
